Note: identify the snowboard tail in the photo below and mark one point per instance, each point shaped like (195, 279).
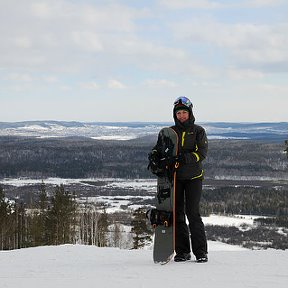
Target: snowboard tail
(163, 244)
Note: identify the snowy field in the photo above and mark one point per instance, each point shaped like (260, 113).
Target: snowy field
(111, 182)
(116, 202)
(74, 266)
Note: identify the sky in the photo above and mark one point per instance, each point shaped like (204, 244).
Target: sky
(126, 60)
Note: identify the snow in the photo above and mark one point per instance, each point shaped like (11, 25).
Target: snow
(34, 127)
(46, 129)
(115, 137)
(236, 220)
(74, 266)
(19, 182)
(115, 202)
(111, 182)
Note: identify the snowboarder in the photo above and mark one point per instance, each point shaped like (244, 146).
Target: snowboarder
(193, 147)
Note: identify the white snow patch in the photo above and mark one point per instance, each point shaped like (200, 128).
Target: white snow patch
(236, 220)
(115, 137)
(113, 182)
(74, 266)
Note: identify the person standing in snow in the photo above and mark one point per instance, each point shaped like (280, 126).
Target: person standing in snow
(192, 150)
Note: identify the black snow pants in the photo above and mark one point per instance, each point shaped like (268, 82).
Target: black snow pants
(188, 194)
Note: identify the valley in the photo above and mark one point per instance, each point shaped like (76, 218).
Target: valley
(242, 177)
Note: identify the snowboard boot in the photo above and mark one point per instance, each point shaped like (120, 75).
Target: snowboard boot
(182, 257)
(203, 258)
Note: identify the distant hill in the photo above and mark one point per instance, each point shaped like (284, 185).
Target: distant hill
(133, 130)
(254, 131)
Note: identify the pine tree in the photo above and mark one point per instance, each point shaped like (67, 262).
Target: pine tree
(61, 217)
(39, 220)
(142, 234)
(5, 211)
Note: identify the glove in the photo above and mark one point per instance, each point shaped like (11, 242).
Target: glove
(154, 162)
(153, 157)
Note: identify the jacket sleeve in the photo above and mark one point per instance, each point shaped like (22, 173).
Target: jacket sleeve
(200, 150)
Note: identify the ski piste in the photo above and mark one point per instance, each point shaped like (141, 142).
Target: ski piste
(162, 217)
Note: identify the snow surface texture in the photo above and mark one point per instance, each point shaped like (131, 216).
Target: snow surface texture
(74, 266)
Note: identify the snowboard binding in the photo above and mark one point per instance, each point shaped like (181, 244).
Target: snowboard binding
(159, 217)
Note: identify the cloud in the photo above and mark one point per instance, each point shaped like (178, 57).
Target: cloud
(115, 84)
(66, 88)
(160, 83)
(262, 3)
(19, 77)
(90, 85)
(23, 42)
(242, 74)
(57, 31)
(183, 4)
(246, 44)
(42, 9)
(209, 4)
(50, 79)
(87, 40)
(115, 18)
(72, 37)
(274, 90)
(142, 47)
(59, 48)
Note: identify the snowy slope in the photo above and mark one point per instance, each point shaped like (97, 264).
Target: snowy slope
(75, 266)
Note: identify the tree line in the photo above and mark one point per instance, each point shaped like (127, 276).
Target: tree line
(83, 157)
(59, 219)
(245, 200)
(260, 237)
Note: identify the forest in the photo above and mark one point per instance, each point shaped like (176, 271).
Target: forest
(79, 157)
(60, 219)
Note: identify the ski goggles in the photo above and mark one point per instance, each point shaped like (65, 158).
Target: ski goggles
(184, 101)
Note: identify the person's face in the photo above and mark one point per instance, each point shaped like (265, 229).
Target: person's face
(182, 115)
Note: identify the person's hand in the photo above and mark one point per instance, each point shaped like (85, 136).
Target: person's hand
(153, 157)
(154, 162)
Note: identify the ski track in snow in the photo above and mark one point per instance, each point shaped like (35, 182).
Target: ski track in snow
(74, 266)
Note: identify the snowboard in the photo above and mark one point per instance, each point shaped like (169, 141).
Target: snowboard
(162, 217)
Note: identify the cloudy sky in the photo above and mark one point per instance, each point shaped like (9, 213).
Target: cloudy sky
(126, 60)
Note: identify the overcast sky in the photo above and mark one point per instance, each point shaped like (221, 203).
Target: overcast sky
(108, 60)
